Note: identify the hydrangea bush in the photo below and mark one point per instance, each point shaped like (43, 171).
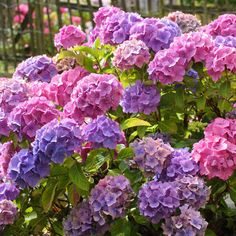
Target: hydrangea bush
(132, 133)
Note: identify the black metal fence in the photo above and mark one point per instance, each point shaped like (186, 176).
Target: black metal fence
(27, 27)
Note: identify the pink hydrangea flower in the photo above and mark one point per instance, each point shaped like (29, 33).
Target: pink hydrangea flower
(4, 129)
(61, 86)
(69, 36)
(216, 157)
(131, 53)
(169, 65)
(219, 59)
(224, 25)
(6, 153)
(76, 20)
(29, 116)
(95, 94)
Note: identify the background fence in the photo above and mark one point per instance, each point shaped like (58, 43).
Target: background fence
(27, 27)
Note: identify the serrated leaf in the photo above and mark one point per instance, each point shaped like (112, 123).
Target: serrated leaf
(125, 153)
(134, 122)
(49, 194)
(78, 178)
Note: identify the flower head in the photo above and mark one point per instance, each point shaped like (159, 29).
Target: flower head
(56, 140)
(110, 197)
(69, 36)
(155, 33)
(140, 98)
(151, 155)
(29, 116)
(6, 153)
(8, 212)
(188, 223)
(186, 22)
(131, 53)
(157, 200)
(8, 191)
(103, 132)
(95, 94)
(39, 68)
(229, 41)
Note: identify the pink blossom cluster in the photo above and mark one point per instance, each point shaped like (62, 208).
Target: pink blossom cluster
(69, 36)
(220, 59)
(224, 25)
(170, 65)
(29, 116)
(94, 95)
(131, 53)
(216, 153)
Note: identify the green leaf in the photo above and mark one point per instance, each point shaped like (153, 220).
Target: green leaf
(121, 227)
(225, 89)
(168, 126)
(141, 131)
(78, 178)
(224, 105)
(179, 100)
(95, 160)
(134, 122)
(125, 153)
(49, 194)
(65, 53)
(232, 193)
(73, 194)
(209, 232)
(201, 103)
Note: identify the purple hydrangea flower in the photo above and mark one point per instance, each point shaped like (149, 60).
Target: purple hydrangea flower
(95, 94)
(192, 190)
(29, 116)
(140, 98)
(8, 212)
(155, 33)
(12, 92)
(163, 136)
(103, 132)
(116, 28)
(131, 53)
(23, 169)
(192, 73)
(80, 222)
(56, 140)
(6, 153)
(110, 197)
(151, 155)
(188, 223)
(69, 36)
(229, 41)
(158, 200)
(186, 22)
(4, 128)
(8, 191)
(39, 68)
(181, 164)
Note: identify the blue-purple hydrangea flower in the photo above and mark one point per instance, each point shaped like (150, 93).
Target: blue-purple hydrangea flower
(103, 132)
(80, 222)
(8, 191)
(23, 169)
(57, 140)
(8, 211)
(140, 98)
(229, 41)
(181, 164)
(110, 197)
(192, 190)
(155, 33)
(151, 155)
(157, 200)
(188, 223)
(40, 68)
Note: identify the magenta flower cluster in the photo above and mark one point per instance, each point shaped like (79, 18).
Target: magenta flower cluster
(103, 132)
(38, 68)
(189, 222)
(217, 151)
(157, 34)
(29, 116)
(8, 211)
(186, 22)
(131, 53)
(140, 98)
(95, 94)
(69, 36)
(170, 65)
(224, 25)
(151, 155)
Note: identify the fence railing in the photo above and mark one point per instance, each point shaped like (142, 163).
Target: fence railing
(27, 27)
